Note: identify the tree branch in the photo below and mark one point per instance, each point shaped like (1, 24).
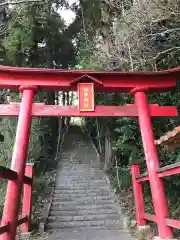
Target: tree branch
(170, 50)
(20, 2)
(161, 33)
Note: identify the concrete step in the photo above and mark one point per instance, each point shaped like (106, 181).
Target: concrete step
(82, 169)
(74, 197)
(82, 183)
(83, 186)
(89, 234)
(82, 212)
(92, 217)
(80, 188)
(77, 165)
(74, 194)
(83, 174)
(80, 163)
(114, 224)
(79, 202)
(79, 173)
(81, 177)
(82, 191)
(55, 207)
(76, 171)
(80, 180)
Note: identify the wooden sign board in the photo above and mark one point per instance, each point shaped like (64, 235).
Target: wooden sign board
(86, 97)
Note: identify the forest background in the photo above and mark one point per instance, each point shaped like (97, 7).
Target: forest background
(103, 35)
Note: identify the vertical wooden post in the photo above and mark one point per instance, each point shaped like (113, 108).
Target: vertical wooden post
(27, 197)
(152, 161)
(138, 195)
(14, 189)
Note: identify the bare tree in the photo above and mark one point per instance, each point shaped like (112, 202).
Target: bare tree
(142, 34)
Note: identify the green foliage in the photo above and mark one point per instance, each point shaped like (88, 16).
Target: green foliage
(34, 35)
(121, 178)
(19, 38)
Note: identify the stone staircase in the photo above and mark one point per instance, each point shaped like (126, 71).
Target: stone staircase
(82, 203)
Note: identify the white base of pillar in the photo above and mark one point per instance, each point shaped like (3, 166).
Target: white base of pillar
(158, 238)
(147, 233)
(144, 232)
(144, 228)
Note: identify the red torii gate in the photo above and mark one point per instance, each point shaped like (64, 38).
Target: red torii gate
(30, 81)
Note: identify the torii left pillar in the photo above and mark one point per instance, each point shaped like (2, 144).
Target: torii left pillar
(14, 189)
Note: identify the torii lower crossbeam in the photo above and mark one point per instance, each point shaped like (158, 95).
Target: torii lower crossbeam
(129, 110)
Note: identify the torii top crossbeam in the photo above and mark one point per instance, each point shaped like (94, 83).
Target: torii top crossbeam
(53, 79)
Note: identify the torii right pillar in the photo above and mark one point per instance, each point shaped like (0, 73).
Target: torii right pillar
(152, 161)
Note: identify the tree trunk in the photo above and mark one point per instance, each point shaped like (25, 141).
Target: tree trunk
(108, 150)
(105, 27)
(106, 32)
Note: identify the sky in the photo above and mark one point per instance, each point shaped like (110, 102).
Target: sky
(67, 14)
